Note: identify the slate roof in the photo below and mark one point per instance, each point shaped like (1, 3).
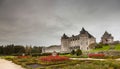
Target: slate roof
(107, 35)
(82, 32)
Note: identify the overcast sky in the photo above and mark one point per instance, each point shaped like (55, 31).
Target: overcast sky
(43, 22)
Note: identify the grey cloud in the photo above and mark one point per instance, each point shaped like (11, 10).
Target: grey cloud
(42, 22)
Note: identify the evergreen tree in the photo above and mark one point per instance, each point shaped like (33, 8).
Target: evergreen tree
(1, 49)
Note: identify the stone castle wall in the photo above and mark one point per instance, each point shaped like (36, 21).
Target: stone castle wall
(81, 41)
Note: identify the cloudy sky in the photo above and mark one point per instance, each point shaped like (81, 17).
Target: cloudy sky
(43, 22)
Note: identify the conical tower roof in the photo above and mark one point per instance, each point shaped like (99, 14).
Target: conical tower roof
(84, 32)
(64, 36)
(106, 33)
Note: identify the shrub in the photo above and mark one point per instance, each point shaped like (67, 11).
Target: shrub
(22, 56)
(73, 52)
(78, 52)
(36, 54)
(8, 57)
(64, 53)
(99, 45)
(45, 54)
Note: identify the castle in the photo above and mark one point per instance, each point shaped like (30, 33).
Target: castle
(80, 41)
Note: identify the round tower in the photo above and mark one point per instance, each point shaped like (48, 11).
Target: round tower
(64, 43)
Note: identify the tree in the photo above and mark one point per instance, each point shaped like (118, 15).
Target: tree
(36, 49)
(1, 49)
(18, 49)
(78, 52)
(73, 52)
(28, 50)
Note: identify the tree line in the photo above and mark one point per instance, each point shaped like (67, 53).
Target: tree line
(19, 50)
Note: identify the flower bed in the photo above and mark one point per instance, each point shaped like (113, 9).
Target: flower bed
(22, 56)
(96, 55)
(53, 58)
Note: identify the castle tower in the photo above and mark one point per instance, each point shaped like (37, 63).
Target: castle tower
(64, 43)
(107, 38)
(86, 39)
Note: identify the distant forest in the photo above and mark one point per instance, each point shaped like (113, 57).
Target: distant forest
(16, 50)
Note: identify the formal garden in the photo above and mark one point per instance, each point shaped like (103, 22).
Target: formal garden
(65, 60)
(60, 62)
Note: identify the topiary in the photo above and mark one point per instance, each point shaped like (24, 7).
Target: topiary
(78, 52)
(73, 52)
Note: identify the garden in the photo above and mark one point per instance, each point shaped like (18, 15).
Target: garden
(60, 62)
(64, 61)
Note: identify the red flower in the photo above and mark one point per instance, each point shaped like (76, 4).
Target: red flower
(96, 55)
(53, 58)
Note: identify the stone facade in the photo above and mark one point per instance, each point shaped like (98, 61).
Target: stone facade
(80, 41)
(107, 38)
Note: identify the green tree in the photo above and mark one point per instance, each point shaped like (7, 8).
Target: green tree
(18, 49)
(1, 49)
(78, 52)
(36, 49)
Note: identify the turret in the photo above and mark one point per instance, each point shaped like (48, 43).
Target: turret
(107, 38)
(64, 36)
(64, 43)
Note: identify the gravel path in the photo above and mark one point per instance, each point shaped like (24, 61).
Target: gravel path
(4, 64)
(86, 59)
(91, 59)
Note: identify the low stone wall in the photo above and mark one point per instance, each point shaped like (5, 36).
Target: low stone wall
(110, 53)
(51, 49)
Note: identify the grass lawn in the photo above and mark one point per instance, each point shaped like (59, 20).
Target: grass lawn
(106, 48)
(117, 47)
(7, 57)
